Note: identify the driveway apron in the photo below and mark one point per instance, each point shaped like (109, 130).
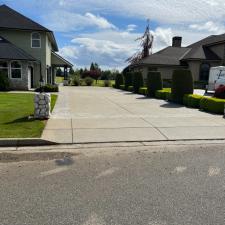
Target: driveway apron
(96, 115)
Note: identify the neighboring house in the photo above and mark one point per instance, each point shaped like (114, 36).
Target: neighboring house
(27, 51)
(197, 57)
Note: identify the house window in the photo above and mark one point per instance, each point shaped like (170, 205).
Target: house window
(4, 70)
(204, 72)
(35, 40)
(16, 70)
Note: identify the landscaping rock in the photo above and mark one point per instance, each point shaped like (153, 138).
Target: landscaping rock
(42, 102)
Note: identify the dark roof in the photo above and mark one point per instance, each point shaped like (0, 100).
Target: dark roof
(11, 19)
(11, 52)
(169, 56)
(201, 52)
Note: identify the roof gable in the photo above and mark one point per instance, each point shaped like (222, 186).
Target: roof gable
(11, 52)
(11, 19)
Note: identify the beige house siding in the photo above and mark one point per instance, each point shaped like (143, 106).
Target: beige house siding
(22, 39)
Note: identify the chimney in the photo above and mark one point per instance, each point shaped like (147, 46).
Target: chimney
(177, 42)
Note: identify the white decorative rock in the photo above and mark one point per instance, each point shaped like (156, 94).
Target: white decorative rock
(42, 102)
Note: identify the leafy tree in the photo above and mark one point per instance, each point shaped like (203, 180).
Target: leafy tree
(71, 72)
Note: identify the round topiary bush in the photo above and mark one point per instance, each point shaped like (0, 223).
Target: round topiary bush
(88, 81)
(119, 80)
(128, 79)
(154, 83)
(137, 81)
(182, 84)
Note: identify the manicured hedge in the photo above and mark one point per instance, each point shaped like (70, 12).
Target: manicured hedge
(48, 88)
(122, 87)
(130, 88)
(128, 79)
(192, 101)
(119, 80)
(163, 94)
(137, 81)
(154, 83)
(182, 84)
(213, 105)
(143, 91)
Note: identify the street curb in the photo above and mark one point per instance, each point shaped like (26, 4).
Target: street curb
(17, 142)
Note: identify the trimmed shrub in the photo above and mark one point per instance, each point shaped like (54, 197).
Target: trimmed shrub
(130, 88)
(122, 87)
(119, 80)
(114, 85)
(220, 92)
(75, 81)
(48, 88)
(128, 79)
(213, 105)
(163, 94)
(4, 82)
(192, 101)
(89, 81)
(107, 83)
(182, 84)
(137, 81)
(154, 83)
(143, 91)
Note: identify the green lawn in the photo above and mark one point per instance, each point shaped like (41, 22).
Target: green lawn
(100, 83)
(59, 80)
(15, 108)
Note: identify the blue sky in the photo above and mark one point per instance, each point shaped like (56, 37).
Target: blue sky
(104, 31)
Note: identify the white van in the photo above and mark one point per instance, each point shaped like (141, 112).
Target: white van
(216, 78)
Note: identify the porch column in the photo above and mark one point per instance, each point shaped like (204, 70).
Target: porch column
(65, 73)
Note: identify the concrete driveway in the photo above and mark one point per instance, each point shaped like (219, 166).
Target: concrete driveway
(92, 114)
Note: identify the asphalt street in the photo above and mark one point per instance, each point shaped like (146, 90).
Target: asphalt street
(153, 185)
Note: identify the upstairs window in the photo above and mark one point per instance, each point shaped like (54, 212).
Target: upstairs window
(35, 40)
(16, 70)
(4, 68)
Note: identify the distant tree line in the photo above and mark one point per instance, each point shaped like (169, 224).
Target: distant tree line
(95, 72)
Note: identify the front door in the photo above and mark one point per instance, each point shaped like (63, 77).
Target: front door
(30, 77)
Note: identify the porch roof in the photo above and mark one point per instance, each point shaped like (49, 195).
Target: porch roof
(59, 61)
(9, 51)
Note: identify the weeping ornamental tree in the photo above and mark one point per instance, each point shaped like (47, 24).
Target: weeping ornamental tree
(146, 43)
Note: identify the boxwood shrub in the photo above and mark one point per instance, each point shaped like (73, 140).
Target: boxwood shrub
(143, 91)
(192, 101)
(154, 82)
(48, 88)
(130, 88)
(213, 105)
(163, 94)
(182, 83)
(119, 80)
(128, 79)
(137, 81)
(122, 87)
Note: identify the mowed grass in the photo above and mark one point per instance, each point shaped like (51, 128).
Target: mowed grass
(101, 83)
(59, 80)
(15, 109)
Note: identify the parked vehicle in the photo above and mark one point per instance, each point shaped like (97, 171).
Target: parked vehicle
(216, 78)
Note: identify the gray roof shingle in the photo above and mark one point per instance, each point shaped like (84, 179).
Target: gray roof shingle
(9, 51)
(169, 56)
(11, 19)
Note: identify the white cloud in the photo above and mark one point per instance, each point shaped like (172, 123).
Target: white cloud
(209, 26)
(64, 21)
(164, 11)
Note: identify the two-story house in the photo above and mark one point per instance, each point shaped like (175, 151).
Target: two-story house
(198, 57)
(27, 51)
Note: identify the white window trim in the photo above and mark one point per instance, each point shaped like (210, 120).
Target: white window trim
(35, 39)
(17, 69)
(8, 67)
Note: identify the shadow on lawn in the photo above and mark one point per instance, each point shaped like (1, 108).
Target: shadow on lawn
(21, 120)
